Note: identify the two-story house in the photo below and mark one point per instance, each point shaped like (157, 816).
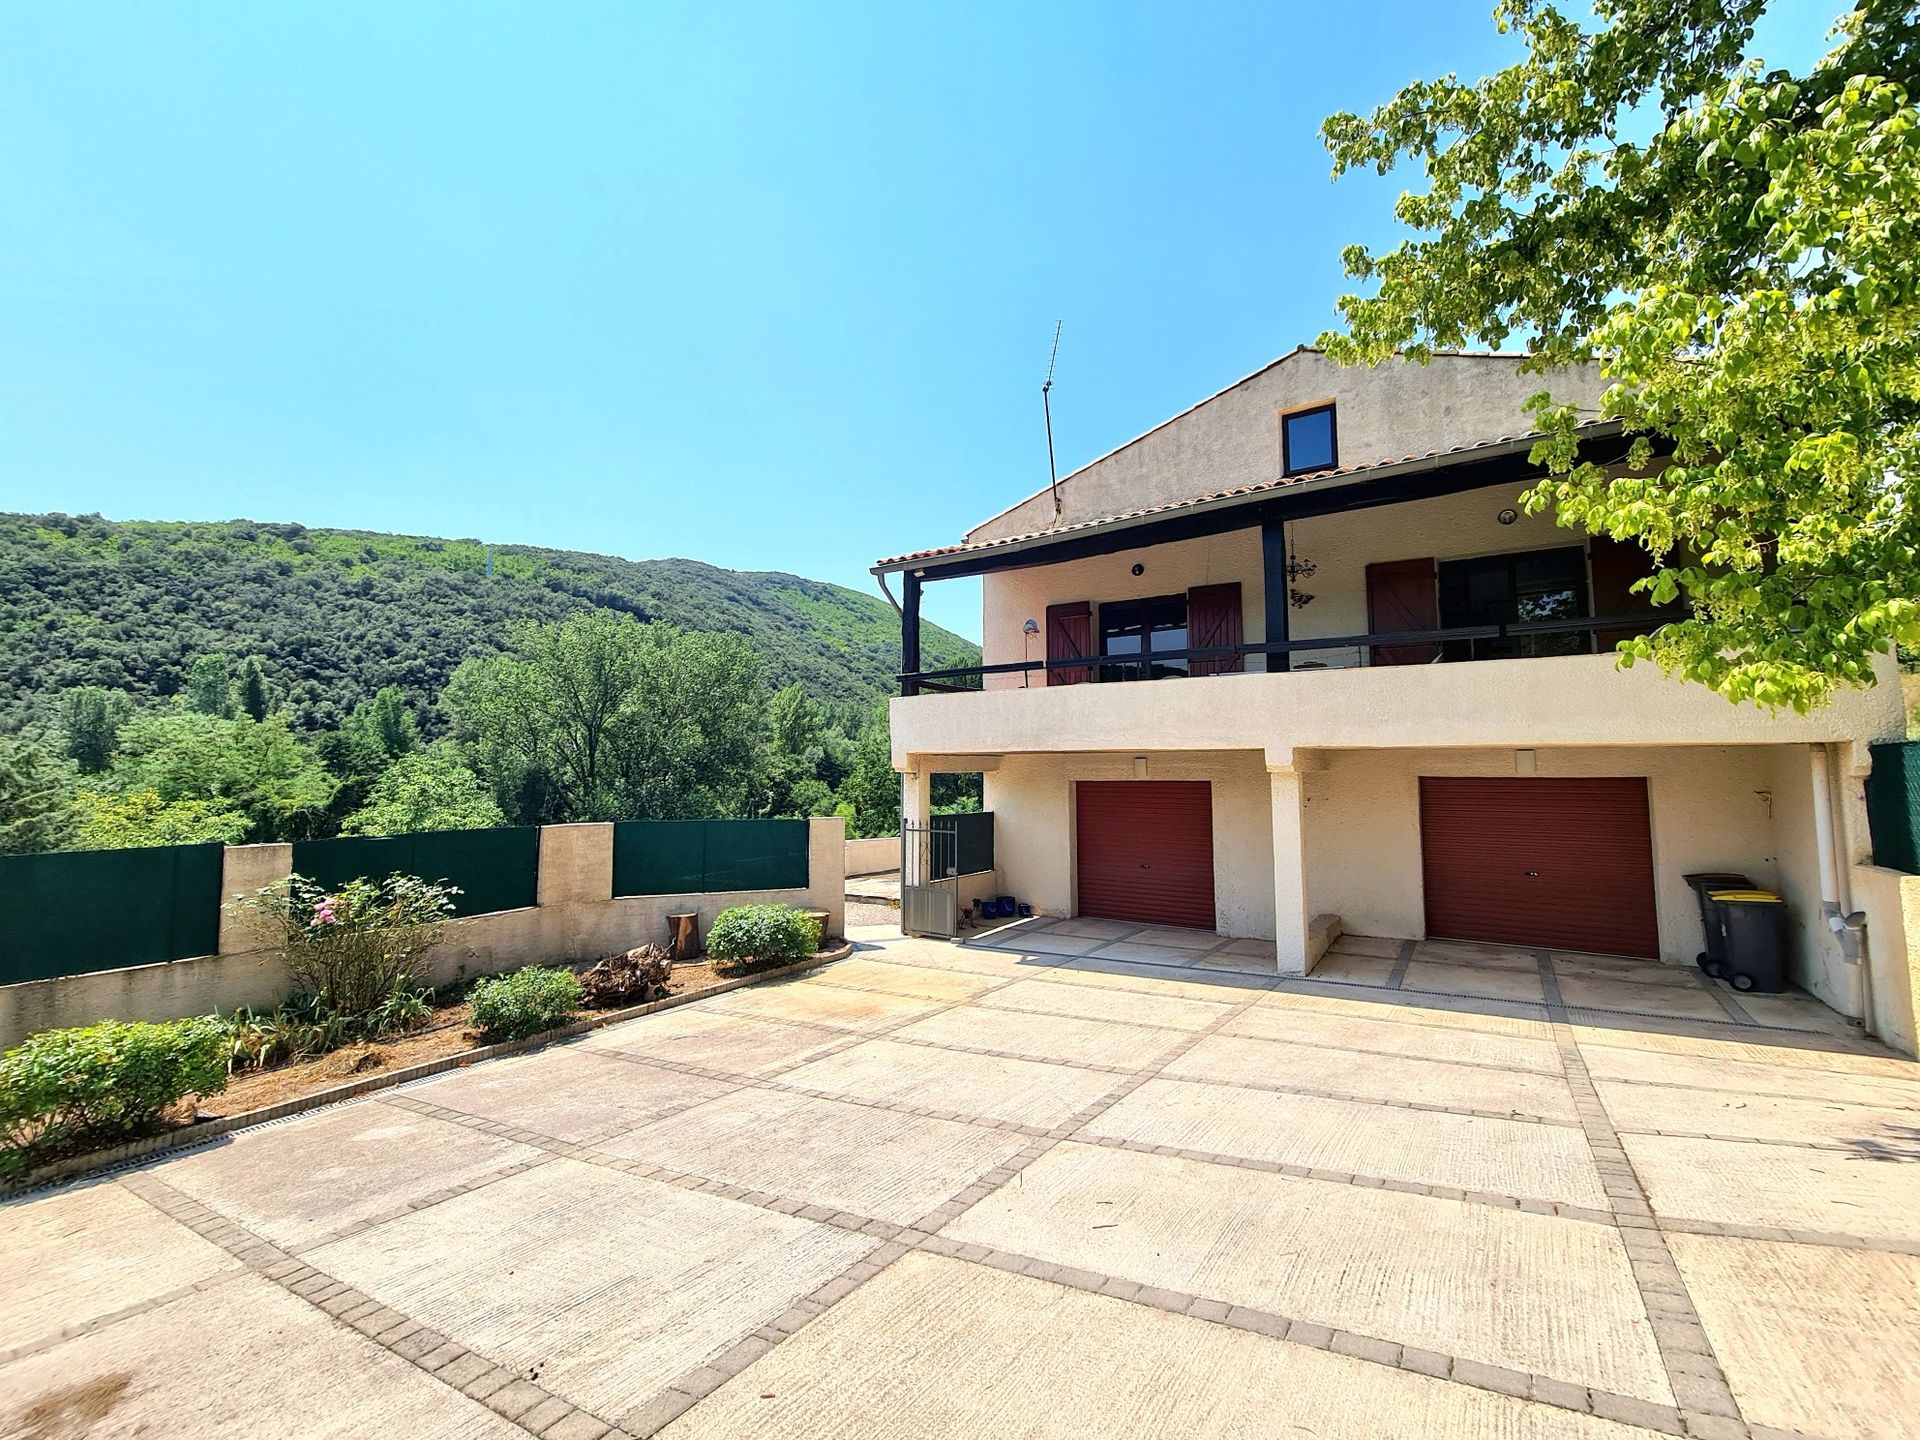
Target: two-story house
(1299, 655)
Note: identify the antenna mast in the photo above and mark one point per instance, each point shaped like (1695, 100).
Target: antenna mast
(1046, 405)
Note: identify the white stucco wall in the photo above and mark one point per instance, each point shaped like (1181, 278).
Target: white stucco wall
(1448, 527)
(1031, 797)
(1012, 597)
(1386, 412)
(1363, 829)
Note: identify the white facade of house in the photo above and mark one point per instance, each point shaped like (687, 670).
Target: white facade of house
(1314, 764)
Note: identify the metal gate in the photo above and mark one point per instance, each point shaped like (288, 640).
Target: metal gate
(929, 881)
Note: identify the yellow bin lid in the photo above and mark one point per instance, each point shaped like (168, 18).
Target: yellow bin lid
(1752, 897)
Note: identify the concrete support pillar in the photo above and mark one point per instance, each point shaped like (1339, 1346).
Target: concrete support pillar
(827, 870)
(916, 807)
(243, 870)
(1291, 914)
(576, 864)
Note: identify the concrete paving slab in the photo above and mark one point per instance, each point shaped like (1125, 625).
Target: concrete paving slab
(1486, 1017)
(1159, 979)
(809, 1002)
(1440, 1041)
(1467, 952)
(1629, 973)
(694, 1035)
(646, 1283)
(1264, 949)
(1494, 982)
(931, 1347)
(1751, 1077)
(1088, 925)
(1376, 945)
(570, 1093)
(297, 1183)
(1247, 962)
(1178, 938)
(242, 1358)
(1861, 1128)
(1811, 1338)
(1791, 1187)
(977, 957)
(1502, 1157)
(1044, 1037)
(1354, 969)
(1688, 1002)
(1141, 954)
(1093, 1002)
(1235, 1060)
(75, 1256)
(1799, 1012)
(1810, 1053)
(1535, 1293)
(922, 983)
(825, 1152)
(1026, 1092)
(1047, 942)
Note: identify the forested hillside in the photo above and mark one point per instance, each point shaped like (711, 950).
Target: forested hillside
(335, 615)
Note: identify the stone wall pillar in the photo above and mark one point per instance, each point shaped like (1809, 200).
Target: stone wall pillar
(576, 864)
(1292, 917)
(243, 870)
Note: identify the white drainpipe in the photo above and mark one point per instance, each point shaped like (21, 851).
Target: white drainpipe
(1847, 928)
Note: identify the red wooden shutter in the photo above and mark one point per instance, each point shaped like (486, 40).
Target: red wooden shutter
(1069, 637)
(1402, 595)
(1213, 619)
(1617, 564)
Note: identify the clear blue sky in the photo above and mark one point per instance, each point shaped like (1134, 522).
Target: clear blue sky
(751, 284)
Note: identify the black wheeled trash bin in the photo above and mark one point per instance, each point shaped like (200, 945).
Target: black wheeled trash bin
(1713, 959)
(1755, 925)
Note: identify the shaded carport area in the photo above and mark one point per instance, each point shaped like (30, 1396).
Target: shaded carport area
(951, 1190)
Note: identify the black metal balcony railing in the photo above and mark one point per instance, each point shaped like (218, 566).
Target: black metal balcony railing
(1460, 643)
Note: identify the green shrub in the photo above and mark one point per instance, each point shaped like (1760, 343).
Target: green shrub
(304, 1027)
(67, 1088)
(526, 1002)
(750, 936)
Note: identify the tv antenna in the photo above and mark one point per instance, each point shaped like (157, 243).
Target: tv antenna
(1046, 405)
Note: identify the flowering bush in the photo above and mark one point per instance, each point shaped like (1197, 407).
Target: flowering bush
(353, 947)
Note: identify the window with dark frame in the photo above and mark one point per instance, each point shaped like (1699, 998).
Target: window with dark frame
(1142, 628)
(1308, 441)
(1518, 587)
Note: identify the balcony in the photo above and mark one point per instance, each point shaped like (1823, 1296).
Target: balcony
(1556, 700)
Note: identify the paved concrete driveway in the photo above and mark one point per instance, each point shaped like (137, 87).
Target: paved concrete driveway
(942, 1191)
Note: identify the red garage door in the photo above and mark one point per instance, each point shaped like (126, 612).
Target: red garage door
(1146, 850)
(1562, 864)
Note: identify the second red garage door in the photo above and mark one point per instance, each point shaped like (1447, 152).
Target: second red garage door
(1146, 850)
(1560, 864)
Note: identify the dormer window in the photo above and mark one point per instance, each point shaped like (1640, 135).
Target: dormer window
(1308, 442)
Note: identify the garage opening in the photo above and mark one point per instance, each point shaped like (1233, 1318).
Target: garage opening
(1145, 851)
(1562, 864)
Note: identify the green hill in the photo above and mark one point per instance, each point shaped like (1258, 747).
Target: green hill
(336, 614)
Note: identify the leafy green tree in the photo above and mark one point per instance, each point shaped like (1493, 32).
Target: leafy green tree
(872, 787)
(209, 688)
(90, 720)
(1748, 276)
(796, 757)
(603, 717)
(430, 789)
(379, 731)
(255, 767)
(34, 790)
(252, 691)
(104, 820)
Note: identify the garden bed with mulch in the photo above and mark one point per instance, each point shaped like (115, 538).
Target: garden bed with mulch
(446, 1041)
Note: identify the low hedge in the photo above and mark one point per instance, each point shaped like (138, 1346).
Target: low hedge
(64, 1089)
(511, 1007)
(749, 937)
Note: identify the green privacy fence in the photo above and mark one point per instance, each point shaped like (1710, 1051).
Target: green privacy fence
(1893, 805)
(495, 869)
(692, 857)
(73, 912)
(965, 841)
